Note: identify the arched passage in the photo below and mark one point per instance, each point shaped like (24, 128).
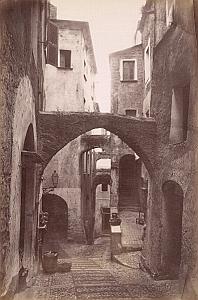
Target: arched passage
(26, 238)
(172, 227)
(57, 130)
(128, 182)
(57, 209)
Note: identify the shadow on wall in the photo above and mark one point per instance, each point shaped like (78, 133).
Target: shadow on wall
(172, 227)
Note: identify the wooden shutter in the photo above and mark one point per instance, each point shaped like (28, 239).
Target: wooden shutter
(52, 44)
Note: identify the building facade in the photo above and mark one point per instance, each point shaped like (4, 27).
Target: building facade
(69, 86)
(127, 74)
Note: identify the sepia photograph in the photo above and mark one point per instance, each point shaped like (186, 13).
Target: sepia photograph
(99, 150)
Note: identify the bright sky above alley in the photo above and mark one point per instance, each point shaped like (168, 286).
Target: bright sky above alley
(112, 24)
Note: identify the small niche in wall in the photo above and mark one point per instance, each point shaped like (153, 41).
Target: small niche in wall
(179, 114)
(131, 112)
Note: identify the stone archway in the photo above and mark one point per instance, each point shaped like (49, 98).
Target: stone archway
(58, 129)
(172, 228)
(57, 226)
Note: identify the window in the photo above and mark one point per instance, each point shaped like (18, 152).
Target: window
(128, 70)
(179, 114)
(147, 68)
(65, 59)
(104, 187)
(169, 12)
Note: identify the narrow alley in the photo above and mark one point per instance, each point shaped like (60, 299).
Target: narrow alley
(94, 275)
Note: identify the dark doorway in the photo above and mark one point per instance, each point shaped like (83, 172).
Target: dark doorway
(57, 209)
(105, 219)
(128, 182)
(172, 227)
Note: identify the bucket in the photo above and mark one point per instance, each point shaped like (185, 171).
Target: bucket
(49, 261)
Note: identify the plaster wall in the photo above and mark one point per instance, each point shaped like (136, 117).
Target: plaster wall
(66, 163)
(70, 89)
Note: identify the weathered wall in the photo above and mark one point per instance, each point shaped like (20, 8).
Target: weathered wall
(70, 89)
(73, 200)
(126, 95)
(63, 87)
(19, 79)
(148, 38)
(24, 116)
(66, 163)
(174, 64)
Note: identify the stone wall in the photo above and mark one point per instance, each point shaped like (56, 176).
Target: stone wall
(174, 65)
(19, 91)
(56, 131)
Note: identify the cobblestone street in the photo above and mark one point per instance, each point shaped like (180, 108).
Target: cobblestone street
(94, 276)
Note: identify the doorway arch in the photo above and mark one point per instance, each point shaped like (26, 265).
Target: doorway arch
(172, 227)
(128, 183)
(57, 209)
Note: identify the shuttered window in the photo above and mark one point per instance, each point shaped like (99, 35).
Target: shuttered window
(52, 44)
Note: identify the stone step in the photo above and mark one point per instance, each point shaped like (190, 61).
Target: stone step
(129, 207)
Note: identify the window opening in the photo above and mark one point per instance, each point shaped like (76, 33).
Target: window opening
(128, 70)
(65, 59)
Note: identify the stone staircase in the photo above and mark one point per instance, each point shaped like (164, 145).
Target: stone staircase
(131, 232)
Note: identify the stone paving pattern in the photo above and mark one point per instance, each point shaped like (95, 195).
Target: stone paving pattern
(95, 276)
